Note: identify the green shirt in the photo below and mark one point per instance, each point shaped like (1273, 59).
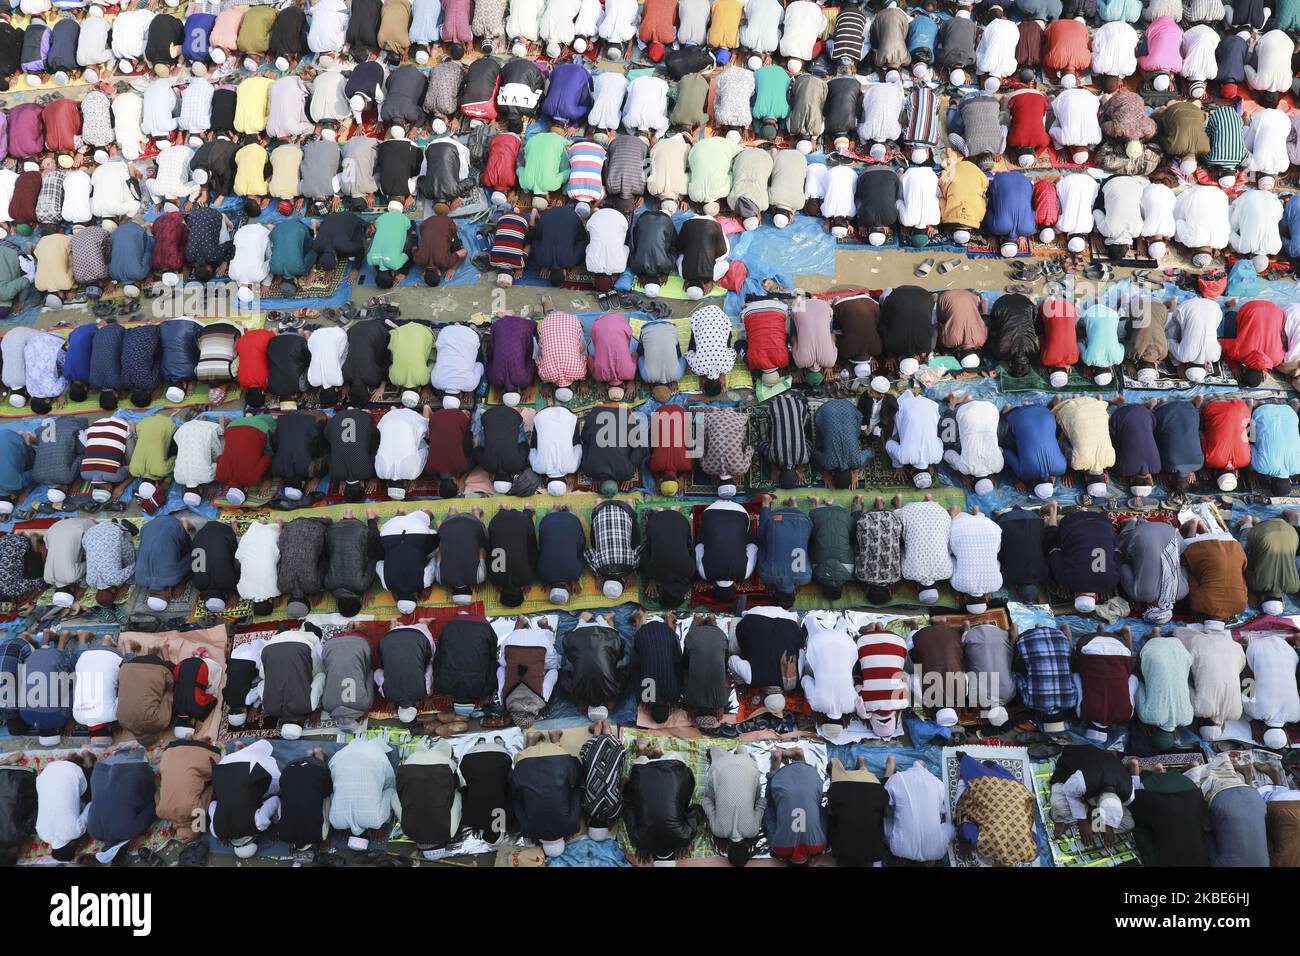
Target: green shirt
(388, 245)
(153, 456)
(771, 84)
(831, 547)
(546, 163)
(410, 350)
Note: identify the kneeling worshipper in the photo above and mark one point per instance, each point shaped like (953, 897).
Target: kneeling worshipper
(658, 813)
(1171, 821)
(595, 669)
(1239, 835)
(364, 789)
(1092, 789)
(1081, 556)
(995, 813)
(405, 672)
(545, 792)
(121, 802)
(1271, 547)
(293, 679)
(245, 796)
(763, 653)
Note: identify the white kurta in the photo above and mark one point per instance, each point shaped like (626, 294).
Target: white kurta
(829, 658)
(838, 200)
(457, 367)
(1120, 222)
(1266, 138)
(556, 455)
(607, 242)
(1077, 122)
(646, 105)
(918, 203)
(995, 55)
(975, 541)
(607, 100)
(1193, 332)
(1076, 192)
(328, 347)
(1199, 46)
(1201, 217)
(1157, 210)
(619, 22)
(1254, 218)
(1271, 70)
(403, 445)
(803, 25)
(1273, 662)
(1114, 49)
(978, 453)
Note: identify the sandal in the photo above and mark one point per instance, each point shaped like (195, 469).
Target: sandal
(1019, 289)
(949, 265)
(924, 268)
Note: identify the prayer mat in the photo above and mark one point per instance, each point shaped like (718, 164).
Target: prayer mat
(1035, 381)
(854, 238)
(990, 247)
(178, 613)
(317, 283)
(1168, 378)
(1131, 261)
(257, 723)
(674, 288)
(1068, 847)
(1014, 759)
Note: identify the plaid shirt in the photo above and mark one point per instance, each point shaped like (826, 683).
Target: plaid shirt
(49, 201)
(615, 538)
(562, 347)
(196, 106)
(172, 179)
(1045, 685)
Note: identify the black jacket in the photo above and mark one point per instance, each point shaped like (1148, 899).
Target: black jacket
(404, 653)
(595, 668)
(465, 667)
(17, 805)
(657, 810)
(353, 439)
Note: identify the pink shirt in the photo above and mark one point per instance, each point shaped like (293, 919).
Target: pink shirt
(611, 338)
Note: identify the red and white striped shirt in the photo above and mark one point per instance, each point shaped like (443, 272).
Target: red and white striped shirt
(105, 449)
(881, 655)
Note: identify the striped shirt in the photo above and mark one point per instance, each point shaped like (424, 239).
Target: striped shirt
(508, 242)
(884, 685)
(216, 352)
(922, 113)
(850, 31)
(105, 449)
(586, 167)
(787, 442)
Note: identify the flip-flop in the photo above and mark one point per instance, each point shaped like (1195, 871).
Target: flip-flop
(924, 268)
(949, 265)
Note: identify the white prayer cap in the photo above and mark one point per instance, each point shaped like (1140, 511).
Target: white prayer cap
(1085, 603)
(946, 717)
(694, 293)
(450, 401)
(200, 176)
(794, 64)
(519, 49)
(499, 198)
(246, 850)
(6, 507)
(839, 232)
(961, 236)
(879, 384)
(957, 77)
(752, 222)
(217, 55)
(156, 603)
(558, 596)
(170, 279)
(991, 84)
(1187, 166)
(1103, 378)
(421, 57)
(292, 493)
(65, 599)
(563, 393)
(236, 496)
(775, 703)
(754, 62)
(928, 596)
(920, 71)
(501, 487)
(1026, 159)
(997, 716)
(1275, 737)
(1043, 490)
(1059, 378)
(652, 289)
(511, 398)
(599, 834)
(1211, 732)
(49, 740)
(1260, 262)
(1195, 373)
(1098, 489)
(1109, 809)
(237, 720)
(395, 205)
(1147, 375)
(976, 607)
(215, 605)
(878, 151)
(396, 492)
(192, 499)
(17, 400)
(908, 366)
(90, 75)
(357, 102)
(1142, 491)
(410, 398)
(250, 64)
(552, 49)
(31, 166)
(971, 360)
(579, 45)
(282, 64)
(804, 146)
(1080, 155)
(1266, 182)
(1076, 244)
(1161, 82)
(922, 480)
(984, 486)
(406, 714)
(919, 155)
(1069, 80)
(1227, 481)
(876, 238)
(1008, 249)
(246, 294)
(396, 132)
(406, 607)
(556, 487)
(1273, 607)
(462, 598)
(612, 589)
(195, 140)
(56, 495)
(727, 491)
(552, 848)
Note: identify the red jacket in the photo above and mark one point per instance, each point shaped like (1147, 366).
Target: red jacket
(502, 157)
(1225, 434)
(62, 118)
(253, 367)
(1047, 205)
(1067, 49)
(1060, 340)
(1258, 344)
(170, 235)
